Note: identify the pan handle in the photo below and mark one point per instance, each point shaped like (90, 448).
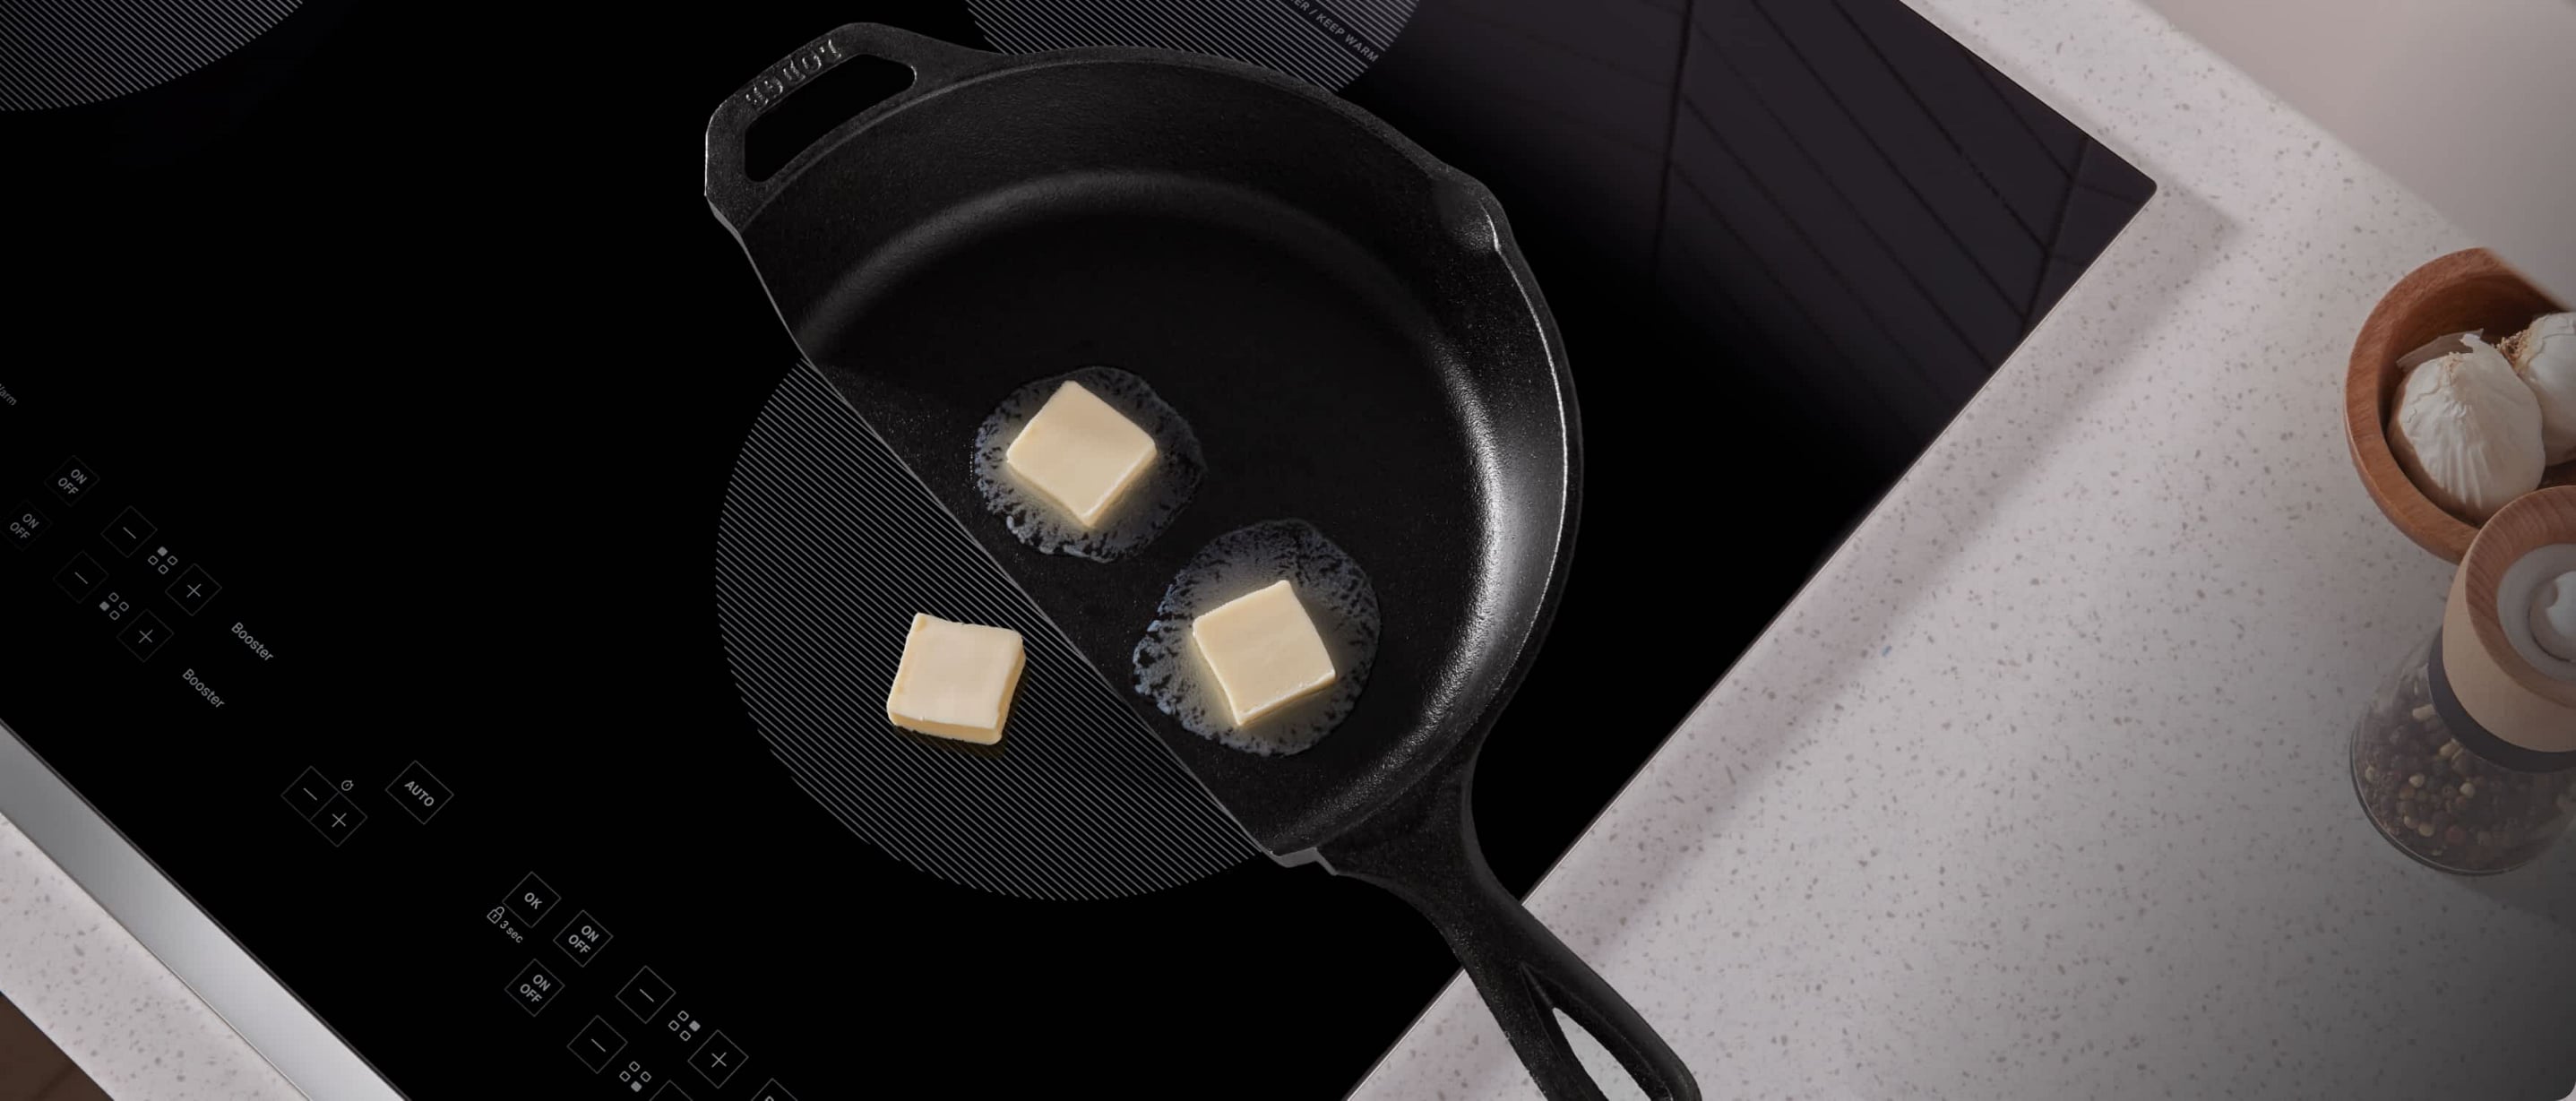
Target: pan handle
(1423, 848)
(735, 196)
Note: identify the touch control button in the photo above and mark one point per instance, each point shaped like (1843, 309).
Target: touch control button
(81, 576)
(532, 901)
(717, 1059)
(128, 532)
(534, 988)
(144, 636)
(419, 792)
(339, 818)
(645, 996)
(73, 481)
(773, 1092)
(670, 1091)
(583, 938)
(596, 1044)
(308, 793)
(193, 589)
(26, 525)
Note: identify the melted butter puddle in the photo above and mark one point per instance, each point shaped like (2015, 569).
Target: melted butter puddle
(1139, 515)
(1337, 596)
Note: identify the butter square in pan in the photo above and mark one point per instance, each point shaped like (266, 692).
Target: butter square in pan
(1264, 651)
(956, 680)
(1080, 453)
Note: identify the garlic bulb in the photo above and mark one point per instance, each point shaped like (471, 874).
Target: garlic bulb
(2468, 431)
(2545, 356)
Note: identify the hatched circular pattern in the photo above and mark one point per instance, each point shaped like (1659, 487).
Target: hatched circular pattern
(62, 53)
(826, 548)
(1325, 42)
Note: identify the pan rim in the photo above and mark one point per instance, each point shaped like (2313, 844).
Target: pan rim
(1293, 839)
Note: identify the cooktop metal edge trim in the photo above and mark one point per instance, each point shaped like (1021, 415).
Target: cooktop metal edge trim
(277, 1025)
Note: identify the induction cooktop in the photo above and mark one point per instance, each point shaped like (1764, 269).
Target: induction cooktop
(406, 477)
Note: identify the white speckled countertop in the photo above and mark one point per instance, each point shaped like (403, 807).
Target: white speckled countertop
(2037, 792)
(121, 1016)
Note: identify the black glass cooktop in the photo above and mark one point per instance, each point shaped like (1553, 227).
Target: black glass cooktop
(372, 396)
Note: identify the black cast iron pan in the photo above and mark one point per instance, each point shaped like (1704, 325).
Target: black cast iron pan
(1349, 328)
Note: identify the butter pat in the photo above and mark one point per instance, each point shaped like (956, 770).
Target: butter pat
(956, 680)
(1263, 651)
(1080, 453)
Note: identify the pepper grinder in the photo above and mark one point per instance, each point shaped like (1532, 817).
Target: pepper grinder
(2466, 760)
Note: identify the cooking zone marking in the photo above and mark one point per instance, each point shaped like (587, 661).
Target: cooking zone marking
(790, 73)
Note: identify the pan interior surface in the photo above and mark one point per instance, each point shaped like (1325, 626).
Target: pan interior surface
(1340, 323)
(824, 550)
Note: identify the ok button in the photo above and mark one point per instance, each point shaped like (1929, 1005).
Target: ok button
(532, 901)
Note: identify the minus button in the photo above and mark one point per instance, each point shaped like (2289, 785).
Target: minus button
(128, 532)
(596, 1044)
(645, 995)
(308, 793)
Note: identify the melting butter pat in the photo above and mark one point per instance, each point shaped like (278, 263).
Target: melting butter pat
(956, 680)
(1080, 453)
(1263, 651)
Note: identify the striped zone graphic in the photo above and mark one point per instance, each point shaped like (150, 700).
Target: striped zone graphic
(1325, 42)
(826, 548)
(61, 53)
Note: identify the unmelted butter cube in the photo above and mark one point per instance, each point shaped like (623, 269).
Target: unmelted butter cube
(1264, 651)
(956, 680)
(1080, 453)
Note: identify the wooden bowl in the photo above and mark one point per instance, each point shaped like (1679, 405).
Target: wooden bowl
(2466, 291)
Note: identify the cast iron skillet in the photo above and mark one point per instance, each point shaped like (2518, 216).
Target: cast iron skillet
(1350, 330)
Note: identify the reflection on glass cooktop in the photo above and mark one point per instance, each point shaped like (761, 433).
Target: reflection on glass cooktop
(376, 412)
(1786, 241)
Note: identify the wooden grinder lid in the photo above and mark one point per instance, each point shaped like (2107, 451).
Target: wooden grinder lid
(2520, 703)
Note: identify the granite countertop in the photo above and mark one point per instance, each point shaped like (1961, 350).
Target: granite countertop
(2038, 790)
(138, 1031)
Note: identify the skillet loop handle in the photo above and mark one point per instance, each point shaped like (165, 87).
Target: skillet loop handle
(1424, 850)
(735, 196)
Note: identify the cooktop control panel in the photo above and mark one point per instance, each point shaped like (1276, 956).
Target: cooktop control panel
(644, 1031)
(120, 566)
(181, 637)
